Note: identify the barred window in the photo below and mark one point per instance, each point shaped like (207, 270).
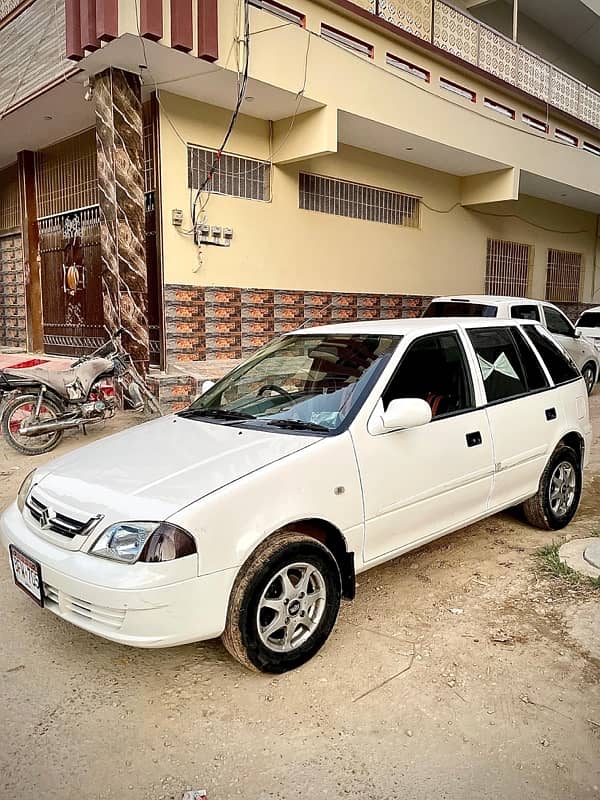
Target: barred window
(357, 200)
(563, 277)
(233, 175)
(507, 268)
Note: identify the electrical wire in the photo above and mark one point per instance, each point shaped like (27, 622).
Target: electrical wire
(492, 214)
(299, 98)
(243, 84)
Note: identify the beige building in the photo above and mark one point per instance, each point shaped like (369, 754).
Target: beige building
(283, 163)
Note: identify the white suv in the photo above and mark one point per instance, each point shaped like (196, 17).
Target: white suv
(583, 351)
(331, 450)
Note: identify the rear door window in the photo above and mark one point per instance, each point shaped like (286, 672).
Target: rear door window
(557, 323)
(525, 312)
(500, 363)
(459, 308)
(561, 367)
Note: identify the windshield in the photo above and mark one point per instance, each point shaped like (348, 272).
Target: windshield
(589, 319)
(303, 382)
(459, 308)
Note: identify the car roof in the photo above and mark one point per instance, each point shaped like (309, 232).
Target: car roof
(592, 308)
(488, 299)
(412, 326)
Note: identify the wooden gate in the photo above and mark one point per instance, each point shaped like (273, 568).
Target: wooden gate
(72, 282)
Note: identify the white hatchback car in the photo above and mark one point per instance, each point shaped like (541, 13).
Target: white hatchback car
(583, 351)
(588, 324)
(331, 450)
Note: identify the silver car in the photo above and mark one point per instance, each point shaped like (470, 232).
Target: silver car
(584, 352)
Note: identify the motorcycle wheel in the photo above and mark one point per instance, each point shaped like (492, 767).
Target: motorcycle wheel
(19, 410)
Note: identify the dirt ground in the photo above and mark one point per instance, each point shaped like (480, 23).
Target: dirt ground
(458, 672)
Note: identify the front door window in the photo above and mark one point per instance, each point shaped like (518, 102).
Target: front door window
(557, 323)
(434, 370)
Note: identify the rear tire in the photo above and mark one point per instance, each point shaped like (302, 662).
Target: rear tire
(284, 604)
(16, 410)
(557, 498)
(589, 375)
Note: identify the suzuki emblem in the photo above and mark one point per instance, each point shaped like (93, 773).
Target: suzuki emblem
(46, 517)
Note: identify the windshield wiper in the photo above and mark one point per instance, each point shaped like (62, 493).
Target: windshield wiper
(216, 413)
(297, 425)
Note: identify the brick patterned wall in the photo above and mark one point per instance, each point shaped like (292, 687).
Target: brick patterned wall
(173, 392)
(229, 323)
(13, 327)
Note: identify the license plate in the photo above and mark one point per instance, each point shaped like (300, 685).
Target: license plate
(27, 574)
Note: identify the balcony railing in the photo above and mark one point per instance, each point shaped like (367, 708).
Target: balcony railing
(458, 33)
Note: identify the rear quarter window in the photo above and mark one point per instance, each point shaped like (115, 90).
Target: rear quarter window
(561, 367)
(457, 308)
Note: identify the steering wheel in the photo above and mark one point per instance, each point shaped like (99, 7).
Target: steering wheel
(272, 387)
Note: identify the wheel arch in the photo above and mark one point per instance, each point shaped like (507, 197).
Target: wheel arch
(332, 538)
(576, 441)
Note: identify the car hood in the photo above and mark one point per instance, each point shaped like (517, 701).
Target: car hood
(151, 471)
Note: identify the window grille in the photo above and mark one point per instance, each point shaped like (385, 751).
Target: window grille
(565, 137)
(591, 148)
(535, 123)
(499, 108)
(233, 175)
(357, 200)
(507, 268)
(10, 208)
(66, 175)
(346, 41)
(407, 66)
(279, 10)
(456, 88)
(563, 278)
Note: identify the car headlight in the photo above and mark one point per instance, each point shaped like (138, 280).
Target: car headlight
(144, 541)
(24, 491)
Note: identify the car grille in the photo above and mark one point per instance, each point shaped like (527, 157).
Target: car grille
(64, 604)
(49, 519)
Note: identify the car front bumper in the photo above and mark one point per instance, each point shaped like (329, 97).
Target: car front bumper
(142, 605)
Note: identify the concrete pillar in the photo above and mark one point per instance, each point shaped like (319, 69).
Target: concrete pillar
(119, 142)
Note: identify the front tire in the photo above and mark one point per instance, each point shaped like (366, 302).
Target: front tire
(20, 409)
(589, 376)
(557, 498)
(284, 604)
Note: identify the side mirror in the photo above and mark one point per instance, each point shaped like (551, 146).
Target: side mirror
(206, 385)
(406, 412)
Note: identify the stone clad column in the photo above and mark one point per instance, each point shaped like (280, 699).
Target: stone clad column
(119, 143)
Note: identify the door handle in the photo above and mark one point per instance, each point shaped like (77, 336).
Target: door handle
(473, 439)
(550, 414)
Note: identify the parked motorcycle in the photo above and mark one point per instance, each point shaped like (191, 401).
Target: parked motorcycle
(40, 404)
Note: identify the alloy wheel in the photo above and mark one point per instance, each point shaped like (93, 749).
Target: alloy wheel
(562, 488)
(291, 607)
